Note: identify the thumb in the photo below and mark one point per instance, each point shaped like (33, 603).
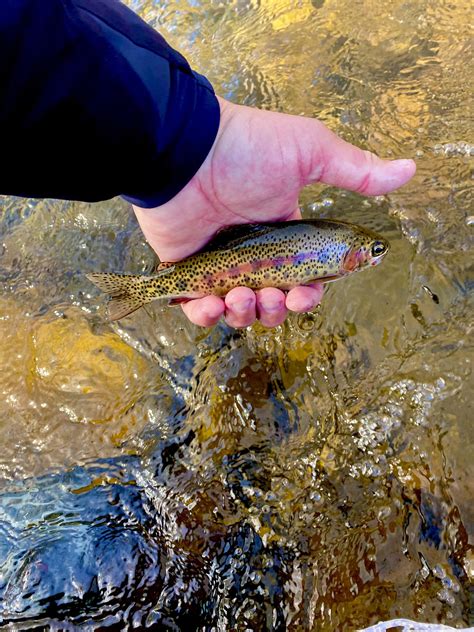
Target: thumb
(334, 161)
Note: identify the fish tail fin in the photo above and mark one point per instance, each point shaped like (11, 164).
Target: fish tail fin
(127, 292)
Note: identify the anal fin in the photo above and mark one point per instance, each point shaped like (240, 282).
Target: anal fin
(179, 300)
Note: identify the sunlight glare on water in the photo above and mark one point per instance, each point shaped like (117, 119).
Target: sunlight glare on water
(313, 477)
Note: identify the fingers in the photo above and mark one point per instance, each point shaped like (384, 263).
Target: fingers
(271, 308)
(305, 298)
(242, 306)
(204, 312)
(334, 161)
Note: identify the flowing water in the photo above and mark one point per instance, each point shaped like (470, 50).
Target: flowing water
(313, 477)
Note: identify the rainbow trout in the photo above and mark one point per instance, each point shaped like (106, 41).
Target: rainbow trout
(281, 254)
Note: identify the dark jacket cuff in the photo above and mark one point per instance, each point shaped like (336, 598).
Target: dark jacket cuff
(188, 146)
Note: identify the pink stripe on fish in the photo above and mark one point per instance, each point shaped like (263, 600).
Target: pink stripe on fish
(255, 266)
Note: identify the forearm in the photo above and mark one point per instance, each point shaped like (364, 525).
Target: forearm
(96, 104)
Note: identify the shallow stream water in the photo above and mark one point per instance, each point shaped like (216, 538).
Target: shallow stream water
(313, 477)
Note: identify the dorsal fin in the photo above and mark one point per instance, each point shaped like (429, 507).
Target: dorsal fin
(234, 235)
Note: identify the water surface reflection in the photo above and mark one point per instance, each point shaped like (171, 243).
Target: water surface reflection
(315, 477)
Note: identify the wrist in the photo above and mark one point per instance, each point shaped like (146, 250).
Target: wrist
(177, 146)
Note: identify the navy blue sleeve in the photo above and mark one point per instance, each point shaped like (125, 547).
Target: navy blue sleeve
(94, 103)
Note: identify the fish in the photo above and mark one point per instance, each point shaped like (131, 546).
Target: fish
(275, 254)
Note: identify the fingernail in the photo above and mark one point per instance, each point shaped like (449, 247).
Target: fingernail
(242, 306)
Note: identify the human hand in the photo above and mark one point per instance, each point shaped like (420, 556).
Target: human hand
(254, 172)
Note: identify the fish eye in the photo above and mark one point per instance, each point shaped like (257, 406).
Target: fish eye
(378, 248)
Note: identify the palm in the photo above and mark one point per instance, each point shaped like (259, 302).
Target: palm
(246, 178)
(254, 172)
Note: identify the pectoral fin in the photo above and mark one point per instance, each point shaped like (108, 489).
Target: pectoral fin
(328, 279)
(164, 266)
